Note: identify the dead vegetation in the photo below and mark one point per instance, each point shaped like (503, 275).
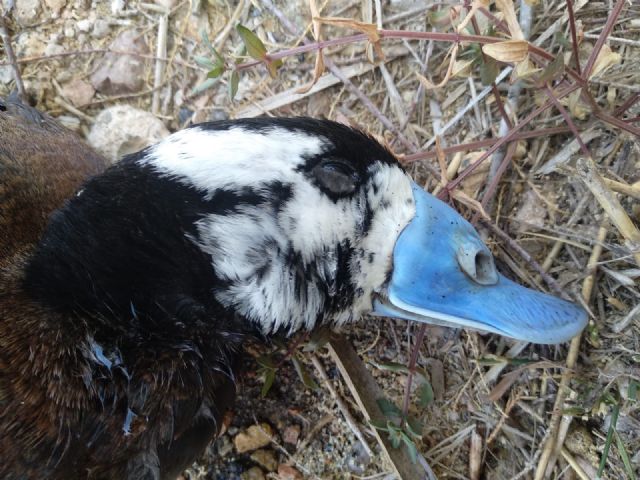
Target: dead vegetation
(535, 137)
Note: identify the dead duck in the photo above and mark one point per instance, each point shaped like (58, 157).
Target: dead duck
(123, 321)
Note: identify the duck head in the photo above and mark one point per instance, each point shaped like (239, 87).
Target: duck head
(287, 224)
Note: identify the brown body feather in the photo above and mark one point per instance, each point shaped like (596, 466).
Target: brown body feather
(66, 411)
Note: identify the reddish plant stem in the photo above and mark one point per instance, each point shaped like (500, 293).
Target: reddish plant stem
(412, 365)
(487, 142)
(454, 183)
(567, 118)
(574, 36)
(626, 105)
(499, 24)
(292, 347)
(392, 34)
(493, 186)
(608, 27)
(621, 124)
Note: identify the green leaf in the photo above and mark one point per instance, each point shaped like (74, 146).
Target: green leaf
(392, 366)
(411, 447)
(266, 361)
(425, 394)
(632, 393)
(205, 39)
(625, 456)
(388, 408)
(216, 71)
(491, 361)
(273, 66)
(303, 374)
(574, 411)
(489, 70)
(255, 47)
(414, 427)
(233, 84)
(204, 62)
(269, 377)
(379, 425)
(395, 437)
(208, 83)
(607, 443)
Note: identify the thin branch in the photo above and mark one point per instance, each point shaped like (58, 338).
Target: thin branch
(567, 118)
(608, 27)
(574, 36)
(453, 184)
(487, 142)
(6, 39)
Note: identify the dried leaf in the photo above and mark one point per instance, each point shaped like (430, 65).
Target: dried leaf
(509, 12)
(525, 68)
(467, 201)
(255, 47)
(509, 51)
(461, 68)
(318, 70)
(576, 106)
(606, 58)
(475, 5)
(503, 385)
(369, 29)
(430, 86)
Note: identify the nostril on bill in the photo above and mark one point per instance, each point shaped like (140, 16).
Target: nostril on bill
(485, 269)
(477, 262)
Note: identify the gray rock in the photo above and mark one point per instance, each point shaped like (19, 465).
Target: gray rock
(79, 92)
(122, 129)
(100, 28)
(84, 25)
(55, 6)
(117, 74)
(6, 74)
(26, 12)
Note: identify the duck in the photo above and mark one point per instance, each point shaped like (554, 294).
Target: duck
(127, 291)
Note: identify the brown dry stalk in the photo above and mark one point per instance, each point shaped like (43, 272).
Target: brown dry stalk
(555, 440)
(588, 173)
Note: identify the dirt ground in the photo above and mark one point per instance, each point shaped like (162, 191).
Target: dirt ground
(496, 403)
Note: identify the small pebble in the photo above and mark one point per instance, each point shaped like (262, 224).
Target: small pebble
(287, 472)
(256, 436)
(254, 473)
(291, 434)
(266, 459)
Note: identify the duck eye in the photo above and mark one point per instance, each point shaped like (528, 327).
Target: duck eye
(336, 176)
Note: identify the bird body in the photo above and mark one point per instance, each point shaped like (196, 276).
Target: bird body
(124, 319)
